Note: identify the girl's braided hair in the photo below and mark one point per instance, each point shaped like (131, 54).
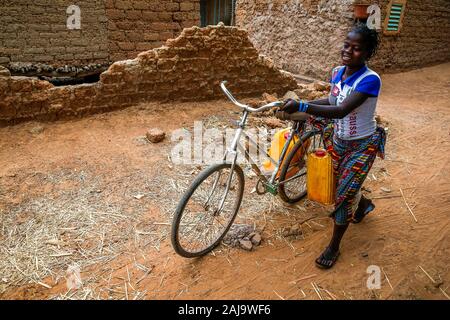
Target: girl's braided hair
(371, 38)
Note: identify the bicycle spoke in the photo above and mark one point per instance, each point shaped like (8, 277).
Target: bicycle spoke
(201, 225)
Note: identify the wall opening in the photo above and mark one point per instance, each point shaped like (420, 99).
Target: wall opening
(69, 81)
(214, 11)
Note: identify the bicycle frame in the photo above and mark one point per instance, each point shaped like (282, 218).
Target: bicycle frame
(270, 184)
(233, 151)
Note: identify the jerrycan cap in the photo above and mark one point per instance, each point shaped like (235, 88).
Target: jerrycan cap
(320, 153)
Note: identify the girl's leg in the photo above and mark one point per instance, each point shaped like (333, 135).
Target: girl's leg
(329, 256)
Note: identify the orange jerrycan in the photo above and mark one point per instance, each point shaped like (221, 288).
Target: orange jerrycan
(276, 147)
(279, 140)
(320, 182)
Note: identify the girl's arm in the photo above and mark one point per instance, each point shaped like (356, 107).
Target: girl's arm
(321, 102)
(338, 112)
(322, 108)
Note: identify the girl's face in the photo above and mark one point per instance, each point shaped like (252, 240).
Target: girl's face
(354, 51)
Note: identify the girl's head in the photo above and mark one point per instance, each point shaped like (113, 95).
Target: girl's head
(360, 45)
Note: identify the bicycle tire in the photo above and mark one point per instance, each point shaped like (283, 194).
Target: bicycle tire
(286, 165)
(180, 210)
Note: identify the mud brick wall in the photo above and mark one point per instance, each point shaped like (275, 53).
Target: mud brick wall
(111, 30)
(189, 67)
(305, 36)
(302, 36)
(36, 31)
(140, 25)
(423, 40)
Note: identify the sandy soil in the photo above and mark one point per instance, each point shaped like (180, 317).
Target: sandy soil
(94, 193)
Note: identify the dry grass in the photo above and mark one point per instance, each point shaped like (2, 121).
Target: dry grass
(89, 220)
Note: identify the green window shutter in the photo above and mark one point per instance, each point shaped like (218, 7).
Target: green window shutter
(393, 22)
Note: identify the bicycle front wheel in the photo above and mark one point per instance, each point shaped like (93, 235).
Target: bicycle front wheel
(207, 210)
(292, 178)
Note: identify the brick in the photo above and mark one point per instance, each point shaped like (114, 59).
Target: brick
(127, 46)
(186, 6)
(120, 4)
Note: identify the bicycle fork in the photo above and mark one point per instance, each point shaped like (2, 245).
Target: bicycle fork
(231, 151)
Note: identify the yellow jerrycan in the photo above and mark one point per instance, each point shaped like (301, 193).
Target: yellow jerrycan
(320, 181)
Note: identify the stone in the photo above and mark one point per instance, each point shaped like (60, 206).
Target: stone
(246, 244)
(37, 130)
(295, 230)
(4, 72)
(291, 95)
(268, 98)
(292, 231)
(305, 93)
(155, 135)
(380, 120)
(256, 239)
(321, 86)
(387, 190)
(273, 122)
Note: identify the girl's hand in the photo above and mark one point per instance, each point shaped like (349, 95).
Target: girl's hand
(290, 106)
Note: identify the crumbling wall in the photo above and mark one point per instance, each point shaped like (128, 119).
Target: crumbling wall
(423, 40)
(189, 67)
(303, 36)
(138, 25)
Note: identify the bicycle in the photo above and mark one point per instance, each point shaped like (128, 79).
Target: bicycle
(209, 207)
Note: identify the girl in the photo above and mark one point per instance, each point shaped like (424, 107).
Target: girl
(354, 139)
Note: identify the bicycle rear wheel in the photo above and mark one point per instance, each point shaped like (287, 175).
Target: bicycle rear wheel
(199, 224)
(292, 178)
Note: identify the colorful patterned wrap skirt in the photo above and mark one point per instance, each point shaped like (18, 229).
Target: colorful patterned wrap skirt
(352, 161)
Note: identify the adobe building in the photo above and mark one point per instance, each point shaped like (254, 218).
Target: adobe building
(301, 36)
(305, 36)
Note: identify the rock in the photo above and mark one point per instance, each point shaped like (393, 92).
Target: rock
(268, 98)
(321, 86)
(246, 245)
(305, 93)
(236, 233)
(273, 122)
(295, 230)
(364, 254)
(318, 95)
(155, 135)
(4, 72)
(256, 239)
(291, 95)
(292, 231)
(37, 130)
(380, 120)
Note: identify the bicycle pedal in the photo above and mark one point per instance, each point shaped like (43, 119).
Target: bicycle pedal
(272, 189)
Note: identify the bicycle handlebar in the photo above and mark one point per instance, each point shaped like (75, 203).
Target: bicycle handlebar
(246, 107)
(296, 116)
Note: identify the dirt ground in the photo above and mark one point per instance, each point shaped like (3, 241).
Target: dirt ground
(93, 194)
